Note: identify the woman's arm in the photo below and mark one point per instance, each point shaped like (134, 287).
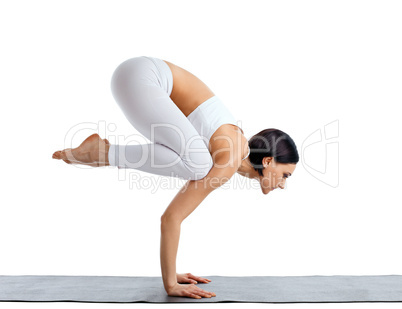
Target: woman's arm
(170, 234)
(183, 204)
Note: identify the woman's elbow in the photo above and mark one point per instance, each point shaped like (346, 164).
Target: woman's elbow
(170, 219)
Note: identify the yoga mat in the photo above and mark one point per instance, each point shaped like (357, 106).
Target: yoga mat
(253, 289)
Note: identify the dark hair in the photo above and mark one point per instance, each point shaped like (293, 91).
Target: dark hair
(272, 143)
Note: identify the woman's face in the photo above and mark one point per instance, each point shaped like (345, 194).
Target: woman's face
(274, 174)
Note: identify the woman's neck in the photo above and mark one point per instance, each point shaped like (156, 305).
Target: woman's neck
(246, 169)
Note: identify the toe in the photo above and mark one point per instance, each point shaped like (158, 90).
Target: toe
(68, 154)
(62, 155)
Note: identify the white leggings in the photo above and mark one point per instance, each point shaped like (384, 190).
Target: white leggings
(141, 86)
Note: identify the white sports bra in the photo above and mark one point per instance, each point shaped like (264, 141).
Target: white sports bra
(209, 116)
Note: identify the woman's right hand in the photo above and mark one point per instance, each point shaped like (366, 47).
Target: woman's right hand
(189, 290)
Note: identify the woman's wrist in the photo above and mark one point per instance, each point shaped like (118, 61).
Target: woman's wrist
(170, 287)
(169, 284)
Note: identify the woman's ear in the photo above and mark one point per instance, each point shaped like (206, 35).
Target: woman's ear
(266, 161)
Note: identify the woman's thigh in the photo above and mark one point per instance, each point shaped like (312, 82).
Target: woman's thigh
(137, 89)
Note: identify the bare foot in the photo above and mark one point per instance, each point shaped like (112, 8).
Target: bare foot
(93, 151)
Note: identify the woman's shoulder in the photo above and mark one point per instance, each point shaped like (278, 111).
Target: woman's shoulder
(228, 142)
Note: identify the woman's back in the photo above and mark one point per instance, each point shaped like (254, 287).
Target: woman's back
(188, 90)
(188, 93)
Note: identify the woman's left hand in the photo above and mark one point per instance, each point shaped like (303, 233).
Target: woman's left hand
(189, 278)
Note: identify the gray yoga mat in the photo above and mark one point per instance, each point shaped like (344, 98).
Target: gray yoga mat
(254, 289)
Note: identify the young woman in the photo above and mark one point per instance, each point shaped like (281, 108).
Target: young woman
(193, 136)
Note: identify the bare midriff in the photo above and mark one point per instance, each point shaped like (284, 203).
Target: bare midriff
(188, 90)
(188, 93)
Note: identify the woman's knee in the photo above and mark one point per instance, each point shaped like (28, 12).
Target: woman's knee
(128, 78)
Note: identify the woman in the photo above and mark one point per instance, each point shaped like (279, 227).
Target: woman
(174, 109)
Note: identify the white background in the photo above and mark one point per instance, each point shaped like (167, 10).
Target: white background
(292, 65)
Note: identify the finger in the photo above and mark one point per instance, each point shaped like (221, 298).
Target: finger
(203, 279)
(210, 293)
(206, 292)
(193, 295)
(202, 294)
(200, 279)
